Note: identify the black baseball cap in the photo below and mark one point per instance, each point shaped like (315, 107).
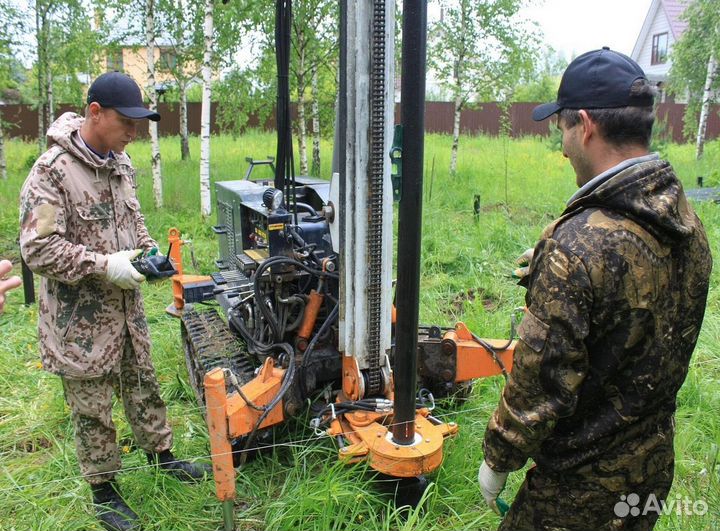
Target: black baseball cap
(119, 91)
(600, 79)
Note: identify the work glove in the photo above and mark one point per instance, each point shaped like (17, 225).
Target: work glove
(121, 272)
(491, 485)
(523, 261)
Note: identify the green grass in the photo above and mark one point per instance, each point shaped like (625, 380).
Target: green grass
(300, 484)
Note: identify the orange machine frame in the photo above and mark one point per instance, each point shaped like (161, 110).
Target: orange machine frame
(368, 434)
(178, 281)
(473, 360)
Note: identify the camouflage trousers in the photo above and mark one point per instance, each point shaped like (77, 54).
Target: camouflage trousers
(608, 495)
(90, 401)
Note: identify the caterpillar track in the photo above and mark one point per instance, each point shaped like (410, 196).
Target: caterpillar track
(209, 343)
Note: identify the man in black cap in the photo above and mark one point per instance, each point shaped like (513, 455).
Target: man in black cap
(81, 226)
(616, 296)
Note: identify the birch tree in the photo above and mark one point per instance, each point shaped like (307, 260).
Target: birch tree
(9, 27)
(153, 96)
(314, 43)
(693, 75)
(64, 47)
(42, 36)
(182, 23)
(205, 205)
(315, 99)
(479, 50)
(705, 108)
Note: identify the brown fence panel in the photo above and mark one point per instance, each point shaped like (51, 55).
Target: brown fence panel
(523, 124)
(21, 120)
(670, 116)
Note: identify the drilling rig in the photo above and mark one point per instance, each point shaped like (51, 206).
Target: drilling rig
(304, 284)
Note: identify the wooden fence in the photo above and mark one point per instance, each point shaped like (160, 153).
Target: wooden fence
(483, 119)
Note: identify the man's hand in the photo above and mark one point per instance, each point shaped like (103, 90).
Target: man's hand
(524, 262)
(491, 485)
(121, 272)
(6, 284)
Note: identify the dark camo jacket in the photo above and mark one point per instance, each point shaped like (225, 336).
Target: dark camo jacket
(616, 297)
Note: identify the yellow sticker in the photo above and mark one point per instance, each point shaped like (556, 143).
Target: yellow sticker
(276, 226)
(261, 233)
(258, 254)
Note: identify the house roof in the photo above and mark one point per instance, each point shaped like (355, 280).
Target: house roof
(673, 10)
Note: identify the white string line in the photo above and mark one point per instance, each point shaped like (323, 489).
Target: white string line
(156, 465)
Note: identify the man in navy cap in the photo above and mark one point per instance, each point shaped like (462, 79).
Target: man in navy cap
(616, 294)
(81, 226)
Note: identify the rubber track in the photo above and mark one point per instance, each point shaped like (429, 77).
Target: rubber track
(212, 344)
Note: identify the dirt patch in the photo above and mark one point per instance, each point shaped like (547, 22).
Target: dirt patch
(488, 300)
(493, 207)
(36, 445)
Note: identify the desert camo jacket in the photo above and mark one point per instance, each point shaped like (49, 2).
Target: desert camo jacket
(75, 209)
(616, 297)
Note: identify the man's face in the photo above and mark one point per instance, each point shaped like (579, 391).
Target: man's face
(573, 150)
(115, 130)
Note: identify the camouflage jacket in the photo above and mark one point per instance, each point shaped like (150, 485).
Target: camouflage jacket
(75, 209)
(616, 297)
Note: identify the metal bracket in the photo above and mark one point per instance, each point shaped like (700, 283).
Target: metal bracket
(396, 160)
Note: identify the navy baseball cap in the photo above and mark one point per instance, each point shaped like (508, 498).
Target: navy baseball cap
(600, 79)
(118, 91)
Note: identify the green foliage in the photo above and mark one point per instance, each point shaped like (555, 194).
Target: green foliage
(542, 84)
(690, 56)
(244, 92)
(543, 90)
(67, 46)
(299, 484)
(192, 94)
(480, 50)
(8, 46)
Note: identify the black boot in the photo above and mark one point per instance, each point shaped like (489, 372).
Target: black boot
(182, 470)
(111, 509)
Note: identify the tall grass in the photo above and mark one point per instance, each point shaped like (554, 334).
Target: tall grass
(466, 262)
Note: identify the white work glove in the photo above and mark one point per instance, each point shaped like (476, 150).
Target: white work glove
(491, 485)
(121, 272)
(524, 262)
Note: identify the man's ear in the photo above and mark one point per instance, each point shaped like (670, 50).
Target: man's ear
(588, 126)
(94, 110)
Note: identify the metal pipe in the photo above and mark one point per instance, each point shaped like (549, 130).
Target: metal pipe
(341, 135)
(228, 518)
(412, 109)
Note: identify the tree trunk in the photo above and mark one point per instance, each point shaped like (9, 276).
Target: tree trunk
(152, 93)
(3, 165)
(456, 134)
(302, 127)
(205, 206)
(40, 33)
(705, 110)
(49, 107)
(315, 171)
(184, 144)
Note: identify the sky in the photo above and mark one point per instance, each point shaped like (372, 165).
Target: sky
(573, 27)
